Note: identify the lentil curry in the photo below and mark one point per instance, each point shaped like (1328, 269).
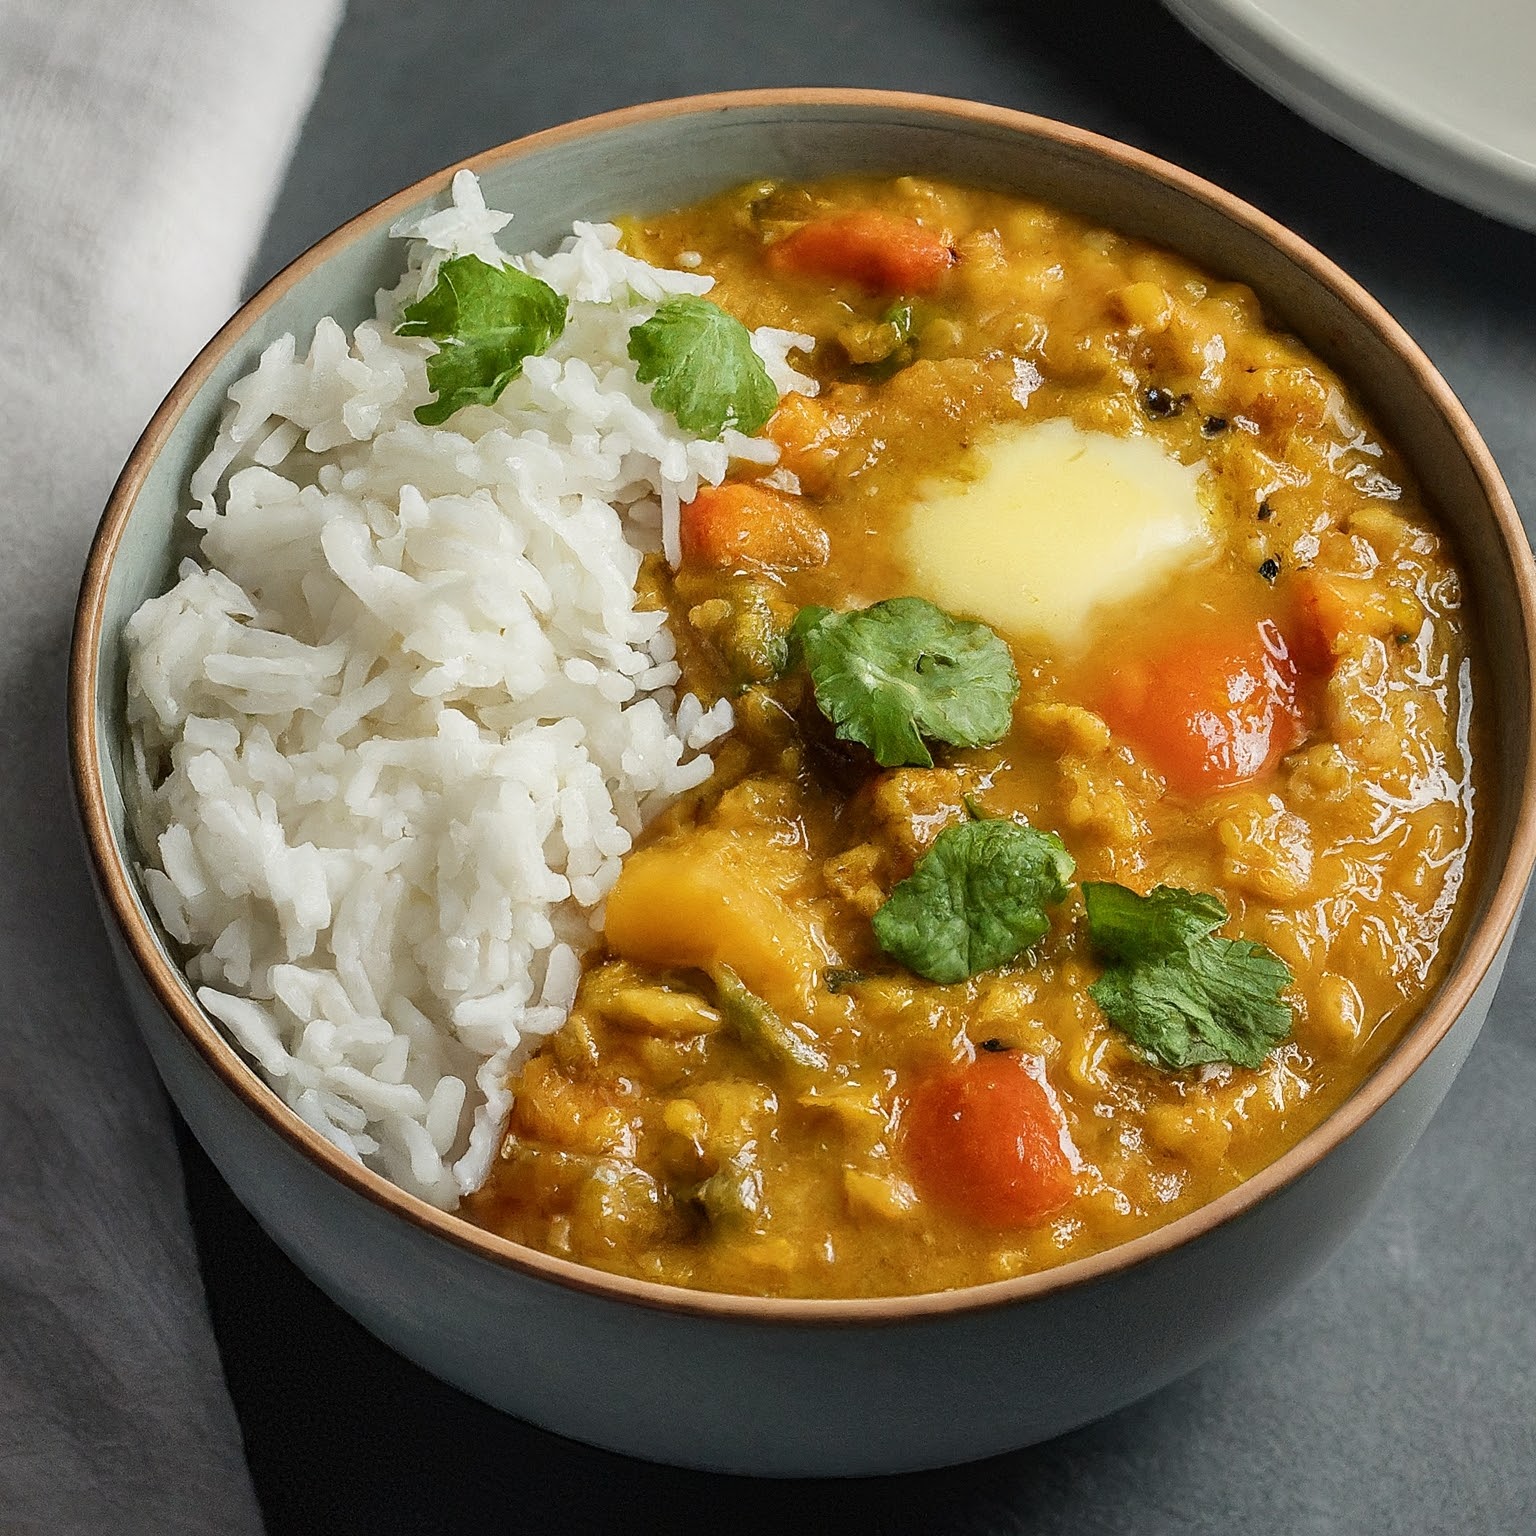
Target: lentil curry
(820, 1054)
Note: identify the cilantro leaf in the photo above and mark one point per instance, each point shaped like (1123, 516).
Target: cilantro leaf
(804, 621)
(889, 675)
(485, 320)
(1183, 995)
(976, 899)
(701, 366)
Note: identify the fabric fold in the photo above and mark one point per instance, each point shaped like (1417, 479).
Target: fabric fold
(141, 145)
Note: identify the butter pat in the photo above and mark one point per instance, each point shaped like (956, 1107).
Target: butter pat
(1057, 523)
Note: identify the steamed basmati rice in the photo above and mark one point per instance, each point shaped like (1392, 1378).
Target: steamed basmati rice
(394, 735)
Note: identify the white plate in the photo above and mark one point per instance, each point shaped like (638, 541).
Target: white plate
(1440, 90)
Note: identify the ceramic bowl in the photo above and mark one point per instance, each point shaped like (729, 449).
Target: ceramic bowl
(811, 1387)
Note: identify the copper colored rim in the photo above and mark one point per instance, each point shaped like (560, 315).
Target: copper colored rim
(172, 991)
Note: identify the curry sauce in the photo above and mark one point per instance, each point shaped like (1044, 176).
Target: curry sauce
(749, 1091)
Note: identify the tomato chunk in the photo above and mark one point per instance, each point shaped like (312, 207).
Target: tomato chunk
(1211, 708)
(1334, 610)
(986, 1142)
(879, 251)
(743, 524)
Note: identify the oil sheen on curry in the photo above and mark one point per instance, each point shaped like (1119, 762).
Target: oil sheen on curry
(1100, 790)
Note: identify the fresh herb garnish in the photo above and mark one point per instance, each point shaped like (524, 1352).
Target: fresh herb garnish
(902, 670)
(1183, 995)
(700, 365)
(976, 900)
(804, 622)
(486, 321)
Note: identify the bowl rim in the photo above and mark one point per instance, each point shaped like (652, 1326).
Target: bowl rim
(172, 991)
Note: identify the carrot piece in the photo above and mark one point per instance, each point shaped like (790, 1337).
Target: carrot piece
(985, 1141)
(800, 424)
(808, 436)
(1209, 709)
(744, 524)
(877, 250)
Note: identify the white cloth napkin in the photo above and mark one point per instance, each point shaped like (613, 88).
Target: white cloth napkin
(141, 142)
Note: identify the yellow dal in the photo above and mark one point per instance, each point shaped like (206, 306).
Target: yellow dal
(1346, 859)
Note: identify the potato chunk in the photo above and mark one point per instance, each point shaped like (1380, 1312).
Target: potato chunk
(721, 900)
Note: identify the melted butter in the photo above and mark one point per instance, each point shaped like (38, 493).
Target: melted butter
(1056, 524)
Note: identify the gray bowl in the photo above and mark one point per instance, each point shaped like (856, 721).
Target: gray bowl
(812, 1387)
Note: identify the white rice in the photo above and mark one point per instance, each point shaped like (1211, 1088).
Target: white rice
(394, 736)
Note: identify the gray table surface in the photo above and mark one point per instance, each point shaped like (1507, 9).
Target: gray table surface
(1396, 1391)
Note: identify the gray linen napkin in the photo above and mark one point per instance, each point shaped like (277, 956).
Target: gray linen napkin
(140, 145)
